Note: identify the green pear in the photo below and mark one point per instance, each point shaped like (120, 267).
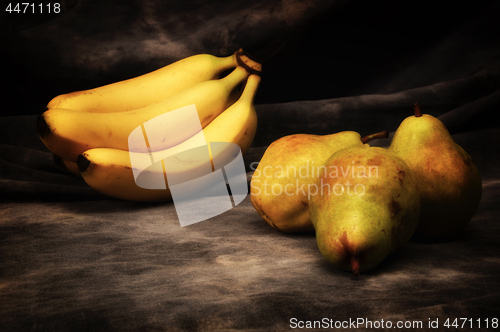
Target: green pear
(367, 206)
(449, 181)
(281, 182)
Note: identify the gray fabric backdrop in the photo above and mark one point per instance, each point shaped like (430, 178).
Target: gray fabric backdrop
(74, 260)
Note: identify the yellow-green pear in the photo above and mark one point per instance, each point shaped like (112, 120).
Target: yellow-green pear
(281, 182)
(366, 207)
(448, 180)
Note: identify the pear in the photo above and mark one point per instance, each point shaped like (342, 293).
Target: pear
(449, 181)
(280, 185)
(367, 206)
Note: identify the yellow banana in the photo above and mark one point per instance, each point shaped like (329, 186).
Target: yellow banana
(111, 172)
(149, 88)
(68, 133)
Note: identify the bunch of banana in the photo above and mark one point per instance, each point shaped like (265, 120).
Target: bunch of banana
(109, 170)
(153, 87)
(93, 126)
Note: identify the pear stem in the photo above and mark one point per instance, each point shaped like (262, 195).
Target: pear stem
(355, 265)
(368, 138)
(416, 109)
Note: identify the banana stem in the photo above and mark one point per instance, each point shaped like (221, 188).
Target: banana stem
(237, 76)
(368, 138)
(251, 87)
(245, 60)
(416, 109)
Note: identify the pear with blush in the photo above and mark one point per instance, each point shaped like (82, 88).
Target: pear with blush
(368, 207)
(281, 183)
(449, 182)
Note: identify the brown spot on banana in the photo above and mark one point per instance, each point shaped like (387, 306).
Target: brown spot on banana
(207, 119)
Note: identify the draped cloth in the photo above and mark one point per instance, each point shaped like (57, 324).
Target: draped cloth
(72, 259)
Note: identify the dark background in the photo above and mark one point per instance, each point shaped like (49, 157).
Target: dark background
(72, 259)
(311, 50)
